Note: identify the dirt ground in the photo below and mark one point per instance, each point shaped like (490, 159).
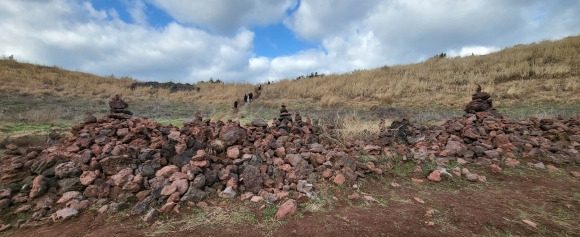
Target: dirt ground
(455, 207)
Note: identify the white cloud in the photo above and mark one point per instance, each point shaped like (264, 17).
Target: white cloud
(315, 20)
(224, 16)
(136, 9)
(212, 39)
(78, 37)
(472, 50)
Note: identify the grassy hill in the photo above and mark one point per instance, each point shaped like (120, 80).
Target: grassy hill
(545, 72)
(540, 79)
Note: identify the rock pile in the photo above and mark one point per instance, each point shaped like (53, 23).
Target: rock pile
(122, 162)
(483, 136)
(133, 163)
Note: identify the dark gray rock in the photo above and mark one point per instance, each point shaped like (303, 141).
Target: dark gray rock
(234, 136)
(113, 164)
(210, 177)
(252, 179)
(194, 194)
(42, 164)
(67, 169)
(142, 206)
(146, 170)
(117, 207)
(258, 122)
(199, 181)
(70, 184)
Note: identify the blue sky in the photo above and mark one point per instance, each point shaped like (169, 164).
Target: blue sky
(257, 41)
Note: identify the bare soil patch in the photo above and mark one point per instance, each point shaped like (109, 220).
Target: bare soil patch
(550, 199)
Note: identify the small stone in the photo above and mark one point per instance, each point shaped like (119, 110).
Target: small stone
(167, 207)
(88, 177)
(457, 171)
(417, 181)
(419, 200)
(461, 161)
(79, 205)
(168, 190)
(5, 192)
(429, 213)
(256, 199)
(435, 176)
(228, 193)
(327, 173)
(512, 162)
(68, 196)
(23, 208)
(103, 209)
(530, 223)
(143, 194)
(539, 165)
(481, 178)
(394, 185)
(5, 227)
(354, 196)
(202, 204)
(370, 198)
(233, 153)
(472, 177)
(151, 215)
(270, 197)
(552, 168)
(167, 171)
(287, 209)
(465, 171)
(575, 173)
(246, 196)
(303, 186)
(429, 223)
(339, 179)
(495, 169)
(64, 213)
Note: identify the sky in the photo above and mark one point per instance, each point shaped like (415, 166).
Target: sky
(255, 41)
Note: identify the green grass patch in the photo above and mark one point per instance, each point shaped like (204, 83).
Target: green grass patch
(24, 127)
(175, 122)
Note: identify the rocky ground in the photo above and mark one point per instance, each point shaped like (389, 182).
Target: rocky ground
(289, 177)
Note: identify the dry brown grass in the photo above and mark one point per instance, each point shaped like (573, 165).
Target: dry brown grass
(545, 72)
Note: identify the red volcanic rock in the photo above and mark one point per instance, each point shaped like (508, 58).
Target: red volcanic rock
(435, 176)
(287, 209)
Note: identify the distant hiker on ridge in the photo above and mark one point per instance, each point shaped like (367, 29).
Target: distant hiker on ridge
(245, 98)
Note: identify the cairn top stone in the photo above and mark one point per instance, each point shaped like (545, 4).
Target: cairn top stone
(119, 108)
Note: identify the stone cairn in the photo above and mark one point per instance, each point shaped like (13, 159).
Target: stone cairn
(119, 108)
(480, 102)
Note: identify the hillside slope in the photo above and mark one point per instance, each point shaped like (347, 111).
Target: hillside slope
(545, 72)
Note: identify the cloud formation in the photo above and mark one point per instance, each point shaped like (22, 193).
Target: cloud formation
(215, 39)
